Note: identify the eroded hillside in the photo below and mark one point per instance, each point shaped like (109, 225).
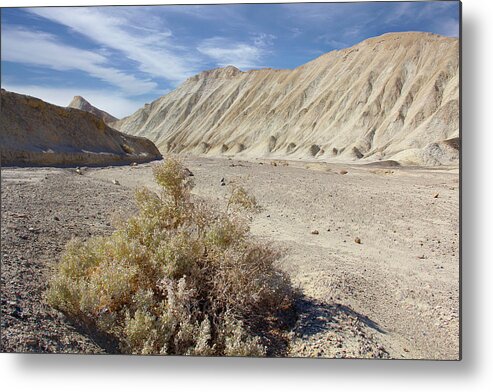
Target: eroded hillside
(34, 132)
(390, 97)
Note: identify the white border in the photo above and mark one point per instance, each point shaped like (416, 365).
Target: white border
(89, 373)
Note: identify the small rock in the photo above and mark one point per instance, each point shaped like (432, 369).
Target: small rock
(357, 240)
(17, 312)
(31, 341)
(435, 196)
(56, 218)
(116, 182)
(134, 164)
(343, 172)
(188, 172)
(78, 171)
(314, 232)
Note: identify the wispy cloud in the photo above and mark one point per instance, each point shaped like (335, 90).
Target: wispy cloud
(45, 50)
(399, 11)
(152, 47)
(311, 13)
(243, 55)
(263, 40)
(295, 32)
(227, 14)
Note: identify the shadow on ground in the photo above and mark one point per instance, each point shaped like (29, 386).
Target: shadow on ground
(316, 317)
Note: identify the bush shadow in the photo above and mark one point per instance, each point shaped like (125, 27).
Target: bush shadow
(316, 316)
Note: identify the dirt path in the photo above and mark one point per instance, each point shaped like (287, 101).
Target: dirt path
(393, 294)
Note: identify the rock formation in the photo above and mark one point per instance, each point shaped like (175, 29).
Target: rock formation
(36, 133)
(80, 103)
(395, 95)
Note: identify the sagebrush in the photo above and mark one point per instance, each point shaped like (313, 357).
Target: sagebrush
(181, 277)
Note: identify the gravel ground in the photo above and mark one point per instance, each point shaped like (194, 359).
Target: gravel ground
(379, 280)
(42, 209)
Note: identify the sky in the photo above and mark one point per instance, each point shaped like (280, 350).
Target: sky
(120, 58)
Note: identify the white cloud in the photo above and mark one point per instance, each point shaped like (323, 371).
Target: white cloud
(296, 32)
(121, 30)
(240, 54)
(399, 11)
(263, 40)
(112, 102)
(44, 50)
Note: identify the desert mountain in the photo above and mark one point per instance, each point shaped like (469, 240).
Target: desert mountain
(80, 103)
(33, 132)
(394, 96)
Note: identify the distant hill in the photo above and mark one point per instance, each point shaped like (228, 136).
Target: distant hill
(81, 103)
(394, 96)
(34, 132)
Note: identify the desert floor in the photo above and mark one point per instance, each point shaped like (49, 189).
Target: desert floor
(392, 293)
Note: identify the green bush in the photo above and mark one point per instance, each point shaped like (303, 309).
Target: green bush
(180, 277)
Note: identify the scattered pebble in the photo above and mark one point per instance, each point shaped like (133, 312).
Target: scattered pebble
(188, 172)
(315, 232)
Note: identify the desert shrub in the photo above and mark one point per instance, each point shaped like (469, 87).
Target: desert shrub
(179, 277)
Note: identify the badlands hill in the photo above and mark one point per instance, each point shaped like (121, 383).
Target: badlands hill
(33, 132)
(80, 103)
(390, 97)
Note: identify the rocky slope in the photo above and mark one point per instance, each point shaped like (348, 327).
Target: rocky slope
(396, 95)
(36, 133)
(80, 103)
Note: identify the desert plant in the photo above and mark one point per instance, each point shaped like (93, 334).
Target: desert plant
(179, 277)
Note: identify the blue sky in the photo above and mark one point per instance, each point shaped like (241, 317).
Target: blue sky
(122, 57)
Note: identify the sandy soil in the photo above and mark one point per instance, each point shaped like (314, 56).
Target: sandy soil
(392, 293)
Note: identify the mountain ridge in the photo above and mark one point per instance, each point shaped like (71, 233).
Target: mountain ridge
(79, 102)
(394, 96)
